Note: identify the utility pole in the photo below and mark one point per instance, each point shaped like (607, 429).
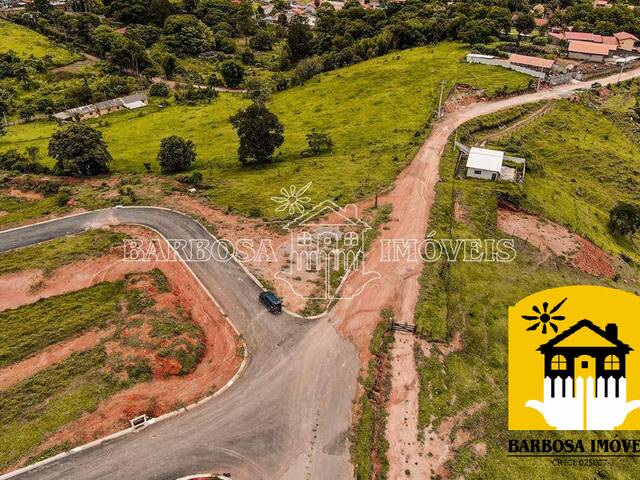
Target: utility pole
(621, 70)
(440, 102)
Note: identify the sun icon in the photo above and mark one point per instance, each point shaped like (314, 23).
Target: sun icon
(545, 318)
(292, 199)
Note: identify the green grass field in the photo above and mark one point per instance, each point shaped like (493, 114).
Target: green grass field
(26, 42)
(55, 253)
(30, 328)
(472, 298)
(377, 113)
(581, 164)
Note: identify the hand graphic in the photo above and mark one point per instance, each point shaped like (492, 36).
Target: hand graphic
(610, 411)
(562, 412)
(604, 411)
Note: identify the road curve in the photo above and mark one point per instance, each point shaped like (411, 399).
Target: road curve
(287, 416)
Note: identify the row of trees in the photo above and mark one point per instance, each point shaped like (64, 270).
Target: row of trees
(80, 150)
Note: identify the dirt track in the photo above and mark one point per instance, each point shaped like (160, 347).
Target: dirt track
(298, 424)
(398, 288)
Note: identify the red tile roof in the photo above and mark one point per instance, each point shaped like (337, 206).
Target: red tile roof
(625, 36)
(541, 22)
(590, 48)
(610, 41)
(583, 37)
(531, 61)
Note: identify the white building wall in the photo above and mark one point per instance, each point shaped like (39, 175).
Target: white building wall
(484, 174)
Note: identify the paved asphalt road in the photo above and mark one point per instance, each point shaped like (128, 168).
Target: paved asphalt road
(287, 416)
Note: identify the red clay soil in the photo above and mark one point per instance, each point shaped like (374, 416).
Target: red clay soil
(550, 237)
(293, 289)
(50, 356)
(27, 195)
(219, 363)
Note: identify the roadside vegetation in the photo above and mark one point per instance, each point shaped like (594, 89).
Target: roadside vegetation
(48, 256)
(376, 113)
(150, 338)
(580, 163)
(368, 443)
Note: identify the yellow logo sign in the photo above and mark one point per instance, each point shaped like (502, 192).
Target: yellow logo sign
(574, 360)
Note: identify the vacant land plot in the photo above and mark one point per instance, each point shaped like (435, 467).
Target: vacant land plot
(150, 337)
(376, 113)
(26, 42)
(471, 299)
(581, 164)
(50, 255)
(28, 329)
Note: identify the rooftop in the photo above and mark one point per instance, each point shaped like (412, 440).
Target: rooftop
(531, 61)
(590, 48)
(625, 36)
(485, 159)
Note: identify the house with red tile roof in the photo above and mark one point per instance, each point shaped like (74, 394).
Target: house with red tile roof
(593, 52)
(602, 4)
(626, 41)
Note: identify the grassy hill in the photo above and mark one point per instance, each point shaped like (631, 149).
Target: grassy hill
(582, 164)
(376, 112)
(582, 161)
(26, 42)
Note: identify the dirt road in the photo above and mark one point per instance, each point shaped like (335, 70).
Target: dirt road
(288, 415)
(398, 287)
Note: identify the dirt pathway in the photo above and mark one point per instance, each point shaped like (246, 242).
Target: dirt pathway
(398, 286)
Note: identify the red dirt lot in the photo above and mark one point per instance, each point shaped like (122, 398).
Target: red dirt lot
(220, 361)
(550, 237)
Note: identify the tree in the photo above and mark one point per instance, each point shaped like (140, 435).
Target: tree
(176, 154)
(27, 112)
(39, 7)
(245, 20)
(186, 35)
(263, 40)
(299, 39)
(624, 219)
(129, 11)
(232, 73)
(319, 142)
(79, 151)
(169, 65)
(524, 24)
(159, 90)
(260, 133)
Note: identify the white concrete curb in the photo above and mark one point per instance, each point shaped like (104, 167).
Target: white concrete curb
(161, 417)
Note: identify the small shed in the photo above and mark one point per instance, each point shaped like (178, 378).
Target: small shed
(484, 163)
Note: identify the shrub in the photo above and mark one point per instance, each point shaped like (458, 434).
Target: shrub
(624, 219)
(176, 154)
(159, 90)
